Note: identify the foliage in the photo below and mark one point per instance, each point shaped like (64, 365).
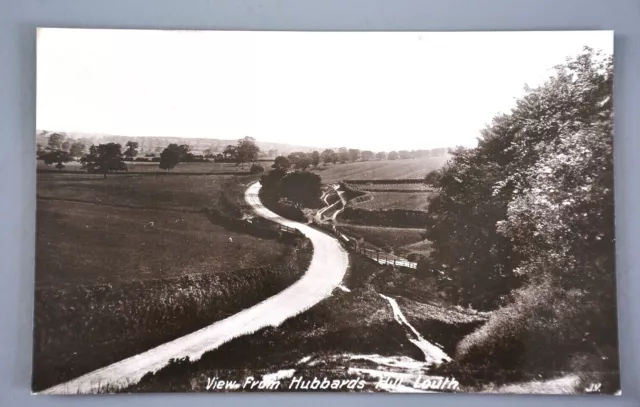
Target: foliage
(530, 211)
(77, 149)
(302, 188)
(393, 155)
(315, 158)
(281, 163)
(170, 156)
(354, 154)
(104, 158)
(58, 157)
(247, 150)
(132, 150)
(256, 169)
(56, 140)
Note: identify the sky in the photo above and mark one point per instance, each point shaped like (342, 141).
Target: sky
(367, 90)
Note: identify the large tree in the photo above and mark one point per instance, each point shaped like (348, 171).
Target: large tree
(343, 155)
(58, 157)
(132, 150)
(327, 156)
(354, 154)
(56, 140)
(247, 150)
(393, 155)
(171, 156)
(315, 158)
(302, 188)
(381, 155)
(367, 155)
(104, 158)
(281, 163)
(77, 149)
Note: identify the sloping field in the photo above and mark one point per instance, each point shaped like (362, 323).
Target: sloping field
(396, 200)
(185, 192)
(382, 237)
(398, 169)
(81, 243)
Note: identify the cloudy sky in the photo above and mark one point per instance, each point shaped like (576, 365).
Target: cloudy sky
(378, 91)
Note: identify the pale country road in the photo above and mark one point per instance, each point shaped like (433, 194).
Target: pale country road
(328, 266)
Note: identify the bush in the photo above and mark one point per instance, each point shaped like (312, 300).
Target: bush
(544, 331)
(256, 169)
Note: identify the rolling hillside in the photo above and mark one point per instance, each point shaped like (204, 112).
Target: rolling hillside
(388, 169)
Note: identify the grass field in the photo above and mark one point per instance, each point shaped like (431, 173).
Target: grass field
(396, 200)
(381, 237)
(394, 187)
(398, 169)
(185, 192)
(141, 166)
(118, 258)
(81, 243)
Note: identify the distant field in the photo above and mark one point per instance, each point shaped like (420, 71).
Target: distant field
(188, 192)
(154, 167)
(105, 240)
(398, 169)
(382, 236)
(396, 200)
(395, 187)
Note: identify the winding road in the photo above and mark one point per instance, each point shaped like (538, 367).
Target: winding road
(326, 270)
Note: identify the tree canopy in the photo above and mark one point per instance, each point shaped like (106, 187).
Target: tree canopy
(104, 158)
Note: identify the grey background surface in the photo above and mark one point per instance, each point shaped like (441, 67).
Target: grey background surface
(18, 20)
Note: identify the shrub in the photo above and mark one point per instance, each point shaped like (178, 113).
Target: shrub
(256, 169)
(544, 331)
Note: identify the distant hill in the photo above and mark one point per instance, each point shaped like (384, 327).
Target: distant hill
(157, 144)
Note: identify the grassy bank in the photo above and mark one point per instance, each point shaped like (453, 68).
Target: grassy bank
(86, 327)
(317, 342)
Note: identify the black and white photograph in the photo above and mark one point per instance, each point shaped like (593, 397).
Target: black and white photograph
(282, 211)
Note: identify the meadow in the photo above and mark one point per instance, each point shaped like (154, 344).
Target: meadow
(417, 201)
(153, 167)
(381, 237)
(386, 169)
(131, 261)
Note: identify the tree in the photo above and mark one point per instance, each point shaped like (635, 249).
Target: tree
(432, 178)
(56, 140)
(66, 145)
(343, 155)
(393, 155)
(299, 160)
(302, 188)
(247, 150)
(104, 158)
(77, 149)
(57, 156)
(132, 150)
(171, 156)
(354, 154)
(381, 155)
(315, 158)
(229, 152)
(39, 149)
(281, 163)
(404, 154)
(327, 156)
(367, 155)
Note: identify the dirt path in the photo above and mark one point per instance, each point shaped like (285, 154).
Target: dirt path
(432, 353)
(327, 268)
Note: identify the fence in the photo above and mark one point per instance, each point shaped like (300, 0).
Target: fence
(377, 255)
